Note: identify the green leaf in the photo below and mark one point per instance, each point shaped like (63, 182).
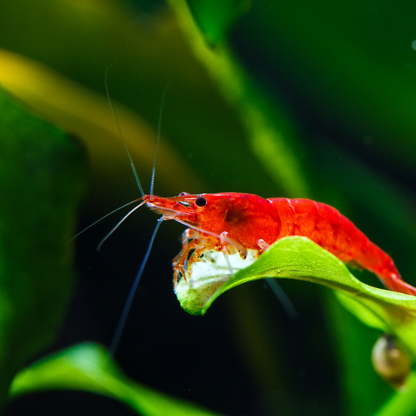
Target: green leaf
(301, 259)
(401, 404)
(214, 17)
(88, 367)
(42, 176)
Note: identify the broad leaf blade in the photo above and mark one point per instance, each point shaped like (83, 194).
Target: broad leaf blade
(88, 367)
(301, 259)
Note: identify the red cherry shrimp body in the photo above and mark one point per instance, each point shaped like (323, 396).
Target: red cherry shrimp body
(245, 221)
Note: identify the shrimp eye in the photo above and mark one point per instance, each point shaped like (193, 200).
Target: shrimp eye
(183, 194)
(200, 201)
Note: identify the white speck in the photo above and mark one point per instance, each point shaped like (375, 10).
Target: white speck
(414, 45)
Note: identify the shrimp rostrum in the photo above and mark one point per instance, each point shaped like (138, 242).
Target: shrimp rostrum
(238, 223)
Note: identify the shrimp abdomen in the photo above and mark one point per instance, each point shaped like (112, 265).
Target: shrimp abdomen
(327, 227)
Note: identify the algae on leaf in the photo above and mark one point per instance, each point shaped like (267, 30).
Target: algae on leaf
(41, 181)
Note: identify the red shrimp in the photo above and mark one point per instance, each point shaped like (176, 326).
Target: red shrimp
(237, 222)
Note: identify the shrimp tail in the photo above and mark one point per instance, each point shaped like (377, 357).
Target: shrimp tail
(327, 227)
(394, 281)
(374, 259)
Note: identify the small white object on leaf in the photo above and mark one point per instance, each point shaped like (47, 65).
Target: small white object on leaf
(206, 276)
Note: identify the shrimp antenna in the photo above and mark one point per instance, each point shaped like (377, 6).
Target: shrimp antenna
(277, 290)
(284, 299)
(136, 176)
(159, 126)
(127, 306)
(118, 224)
(104, 217)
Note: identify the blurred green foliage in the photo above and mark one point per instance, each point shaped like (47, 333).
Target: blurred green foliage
(214, 18)
(42, 174)
(88, 367)
(296, 99)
